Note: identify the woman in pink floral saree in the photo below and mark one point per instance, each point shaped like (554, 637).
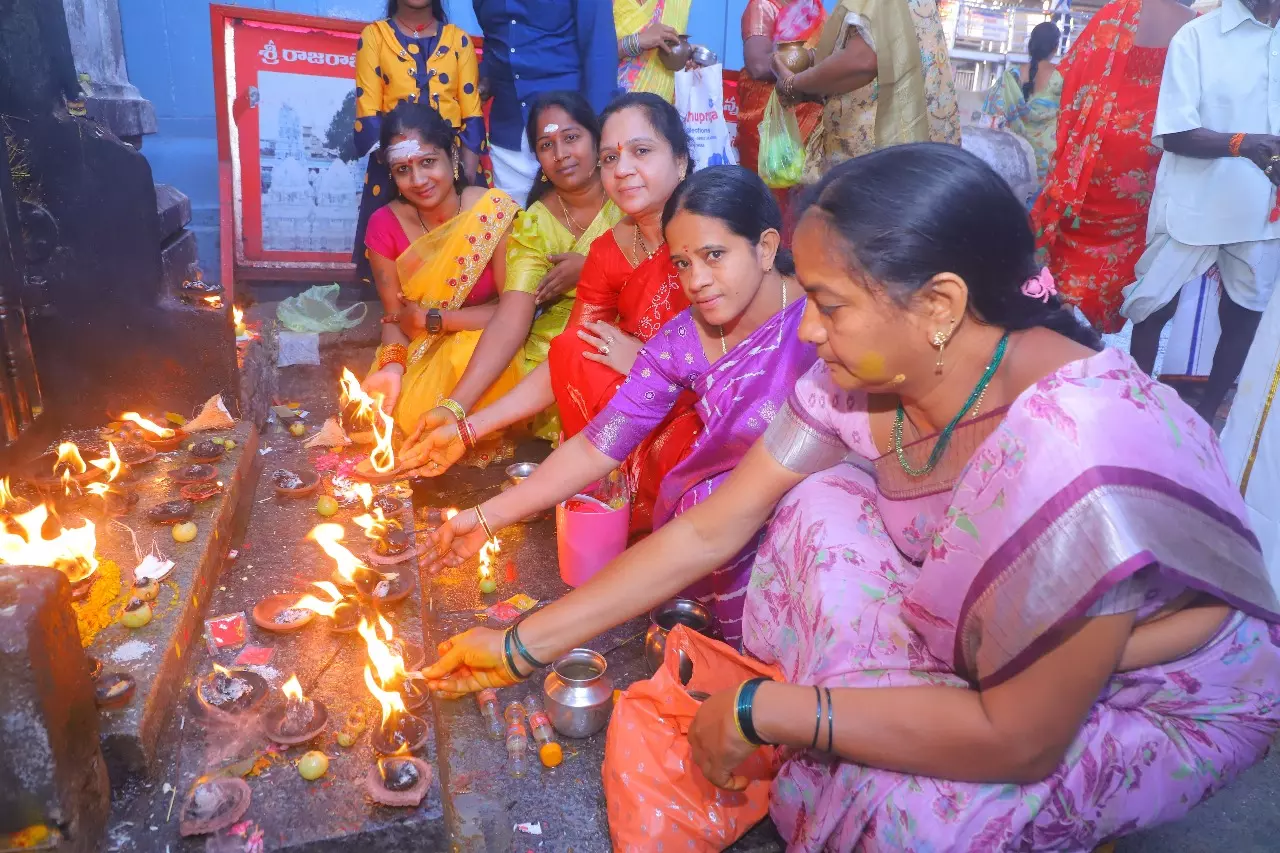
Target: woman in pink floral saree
(1033, 618)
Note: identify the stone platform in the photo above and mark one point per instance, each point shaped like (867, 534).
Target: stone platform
(157, 654)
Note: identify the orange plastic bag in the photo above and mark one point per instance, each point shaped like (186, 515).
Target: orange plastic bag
(654, 790)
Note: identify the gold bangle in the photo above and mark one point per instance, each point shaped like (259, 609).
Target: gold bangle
(484, 523)
(454, 407)
(737, 725)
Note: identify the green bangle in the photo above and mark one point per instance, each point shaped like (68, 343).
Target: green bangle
(742, 710)
(522, 651)
(508, 659)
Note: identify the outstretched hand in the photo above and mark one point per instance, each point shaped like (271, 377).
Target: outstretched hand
(469, 663)
(456, 541)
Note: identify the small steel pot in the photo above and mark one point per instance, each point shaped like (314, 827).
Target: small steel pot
(579, 694)
(704, 56)
(520, 471)
(664, 617)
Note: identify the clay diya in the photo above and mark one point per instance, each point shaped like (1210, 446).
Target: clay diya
(295, 484)
(200, 492)
(230, 691)
(114, 689)
(383, 587)
(276, 613)
(398, 780)
(388, 504)
(296, 720)
(393, 548)
(172, 512)
(119, 501)
(403, 733)
(194, 474)
(346, 616)
(415, 694)
(134, 454)
(164, 444)
(364, 471)
(207, 451)
(81, 589)
(214, 804)
(413, 656)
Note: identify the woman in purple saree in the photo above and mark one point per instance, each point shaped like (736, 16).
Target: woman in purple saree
(737, 349)
(1033, 619)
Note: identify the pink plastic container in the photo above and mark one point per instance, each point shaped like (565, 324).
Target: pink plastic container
(588, 536)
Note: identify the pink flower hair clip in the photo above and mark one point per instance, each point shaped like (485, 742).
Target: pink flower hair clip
(1040, 286)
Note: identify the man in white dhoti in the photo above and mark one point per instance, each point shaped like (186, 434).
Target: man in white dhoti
(1218, 120)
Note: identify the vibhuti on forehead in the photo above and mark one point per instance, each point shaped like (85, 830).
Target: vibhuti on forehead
(404, 150)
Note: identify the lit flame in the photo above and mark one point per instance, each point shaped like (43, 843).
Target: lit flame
(328, 537)
(450, 513)
(111, 464)
(69, 486)
(292, 690)
(6, 494)
(98, 490)
(351, 392)
(487, 553)
(237, 314)
(213, 301)
(390, 700)
(376, 526)
(221, 670)
(315, 605)
(69, 455)
(71, 552)
(364, 491)
(153, 428)
(386, 661)
(383, 459)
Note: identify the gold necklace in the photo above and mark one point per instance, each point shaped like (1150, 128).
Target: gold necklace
(569, 216)
(637, 244)
(724, 348)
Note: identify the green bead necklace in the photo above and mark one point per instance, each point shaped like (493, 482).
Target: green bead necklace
(945, 437)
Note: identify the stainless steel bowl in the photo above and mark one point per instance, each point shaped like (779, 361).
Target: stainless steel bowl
(520, 472)
(664, 617)
(704, 56)
(579, 693)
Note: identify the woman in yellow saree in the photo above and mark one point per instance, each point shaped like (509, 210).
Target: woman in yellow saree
(646, 30)
(545, 251)
(436, 253)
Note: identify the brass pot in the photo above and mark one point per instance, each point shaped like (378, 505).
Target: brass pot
(794, 55)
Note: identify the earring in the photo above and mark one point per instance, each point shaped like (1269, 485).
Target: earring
(544, 177)
(455, 170)
(683, 171)
(940, 341)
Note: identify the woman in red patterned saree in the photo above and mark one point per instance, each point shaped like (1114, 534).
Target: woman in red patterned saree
(1091, 217)
(628, 289)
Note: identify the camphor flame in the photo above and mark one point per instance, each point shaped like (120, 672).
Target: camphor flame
(237, 314)
(153, 428)
(70, 552)
(488, 551)
(450, 513)
(315, 605)
(382, 458)
(292, 690)
(391, 701)
(351, 392)
(377, 525)
(6, 494)
(69, 456)
(329, 537)
(111, 463)
(221, 670)
(386, 661)
(364, 491)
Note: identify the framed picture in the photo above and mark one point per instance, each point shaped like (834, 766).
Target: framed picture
(289, 177)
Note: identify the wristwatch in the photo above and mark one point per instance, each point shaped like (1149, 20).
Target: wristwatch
(435, 321)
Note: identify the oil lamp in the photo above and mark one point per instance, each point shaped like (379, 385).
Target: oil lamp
(298, 719)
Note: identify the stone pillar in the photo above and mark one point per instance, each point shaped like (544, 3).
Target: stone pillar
(98, 47)
(51, 768)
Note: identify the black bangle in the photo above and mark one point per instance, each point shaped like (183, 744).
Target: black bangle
(817, 717)
(746, 694)
(522, 651)
(831, 737)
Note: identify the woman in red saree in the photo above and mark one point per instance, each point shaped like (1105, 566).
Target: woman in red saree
(628, 289)
(1091, 217)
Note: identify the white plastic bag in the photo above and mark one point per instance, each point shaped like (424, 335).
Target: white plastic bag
(316, 310)
(700, 102)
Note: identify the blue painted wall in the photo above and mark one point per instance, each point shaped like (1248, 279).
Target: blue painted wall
(170, 59)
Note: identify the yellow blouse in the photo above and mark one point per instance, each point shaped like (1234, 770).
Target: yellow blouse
(441, 71)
